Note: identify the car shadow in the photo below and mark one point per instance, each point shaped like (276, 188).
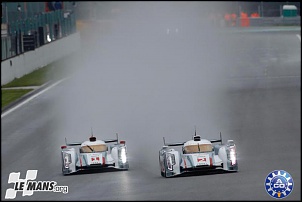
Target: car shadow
(93, 171)
(202, 173)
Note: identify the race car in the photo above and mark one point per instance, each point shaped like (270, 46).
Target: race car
(197, 155)
(94, 155)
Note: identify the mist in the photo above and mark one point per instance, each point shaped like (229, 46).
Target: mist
(155, 70)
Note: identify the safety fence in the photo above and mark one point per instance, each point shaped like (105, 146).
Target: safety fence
(28, 25)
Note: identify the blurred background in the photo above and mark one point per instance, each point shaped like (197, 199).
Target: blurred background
(29, 25)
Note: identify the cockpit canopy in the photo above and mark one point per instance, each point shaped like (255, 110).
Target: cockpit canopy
(93, 148)
(196, 146)
(93, 145)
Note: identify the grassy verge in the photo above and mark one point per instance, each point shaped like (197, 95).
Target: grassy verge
(36, 78)
(8, 96)
(54, 71)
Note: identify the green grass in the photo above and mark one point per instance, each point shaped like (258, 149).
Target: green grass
(36, 78)
(54, 71)
(8, 96)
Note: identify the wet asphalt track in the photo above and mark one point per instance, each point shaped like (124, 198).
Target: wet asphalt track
(253, 98)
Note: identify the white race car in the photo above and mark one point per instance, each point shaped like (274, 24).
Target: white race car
(94, 154)
(197, 155)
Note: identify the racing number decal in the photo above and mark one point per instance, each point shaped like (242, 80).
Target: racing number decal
(95, 159)
(203, 160)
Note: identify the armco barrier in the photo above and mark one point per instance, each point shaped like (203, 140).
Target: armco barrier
(273, 21)
(29, 61)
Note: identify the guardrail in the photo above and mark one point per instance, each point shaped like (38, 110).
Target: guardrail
(275, 21)
(268, 21)
(29, 26)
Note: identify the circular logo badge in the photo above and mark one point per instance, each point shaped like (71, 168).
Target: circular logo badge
(279, 184)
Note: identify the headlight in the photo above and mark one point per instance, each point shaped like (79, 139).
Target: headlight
(232, 151)
(233, 155)
(67, 159)
(170, 161)
(123, 155)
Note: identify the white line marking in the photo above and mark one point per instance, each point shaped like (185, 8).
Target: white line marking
(299, 37)
(30, 98)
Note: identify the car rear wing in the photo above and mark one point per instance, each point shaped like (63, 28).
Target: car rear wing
(220, 140)
(173, 144)
(182, 143)
(79, 143)
(73, 143)
(112, 140)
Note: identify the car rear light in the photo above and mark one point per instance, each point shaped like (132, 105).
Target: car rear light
(63, 147)
(123, 142)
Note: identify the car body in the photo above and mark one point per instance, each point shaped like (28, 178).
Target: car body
(94, 155)
(197, 155)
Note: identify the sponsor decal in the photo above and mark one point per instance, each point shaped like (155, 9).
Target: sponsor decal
(279, 184)
(201, 159)
(95, 159)
(28, 185)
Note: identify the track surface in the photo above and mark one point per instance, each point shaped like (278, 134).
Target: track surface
(245, 85)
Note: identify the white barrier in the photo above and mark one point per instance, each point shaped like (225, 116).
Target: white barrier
(27, 62)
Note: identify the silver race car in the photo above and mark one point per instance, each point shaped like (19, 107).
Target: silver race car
(94, 154)
(197, 155)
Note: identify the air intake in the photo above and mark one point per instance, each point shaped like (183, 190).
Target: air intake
(197, 138)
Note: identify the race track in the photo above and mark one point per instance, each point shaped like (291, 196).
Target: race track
(146, 87)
